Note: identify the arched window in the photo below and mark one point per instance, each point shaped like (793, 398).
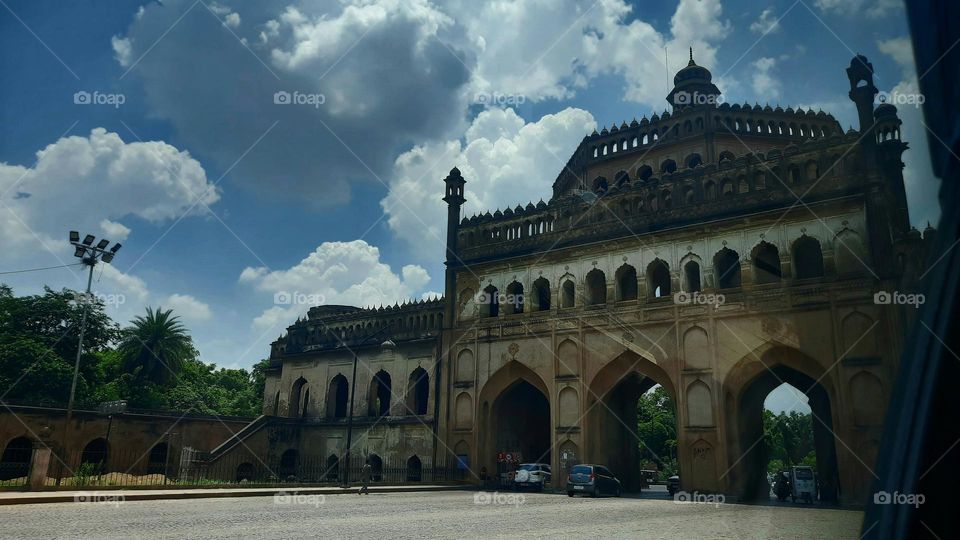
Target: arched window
(296, 406)
(157, 462)
(691, 276)
(658, 274)
(668, 166)
(596, 292)
(727, 266)
(600, 185)
(726, 156)
(727, 189)
(418, 391)
(567, 297)
(337, 397)
(378, 403)
(288, 463)
(644, 173)
(766, 263)
(514, 298)
(812, 171)
(245, 471)
(414, 469)
(807, 258)
(626, 277)
(333, 468)
(96, 453)
(15, 462)
(693, 160)
(794, 174)
(541, 295)
(621, 178)
(489, 302)
(688, 195)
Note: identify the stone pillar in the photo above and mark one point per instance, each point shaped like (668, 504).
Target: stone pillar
(39, 465)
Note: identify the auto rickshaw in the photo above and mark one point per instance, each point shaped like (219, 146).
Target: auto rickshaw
(803, 484)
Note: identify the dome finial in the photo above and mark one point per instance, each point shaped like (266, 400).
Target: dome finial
(691, 57)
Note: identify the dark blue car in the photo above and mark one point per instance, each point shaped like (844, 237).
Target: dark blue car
(595, 480)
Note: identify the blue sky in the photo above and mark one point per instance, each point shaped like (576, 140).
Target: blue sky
(223, 198)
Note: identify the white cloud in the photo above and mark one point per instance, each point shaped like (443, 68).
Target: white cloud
(90, 183)
(188, 307)
(766, 24)
(348, 273)
(122, 50)
(766, 87)
(874, 9)
(117, 232)
(505, 161)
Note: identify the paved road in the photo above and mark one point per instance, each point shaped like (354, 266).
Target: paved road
(422, 515)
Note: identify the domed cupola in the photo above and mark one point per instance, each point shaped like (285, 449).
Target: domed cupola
(692, 86)
(887, 123)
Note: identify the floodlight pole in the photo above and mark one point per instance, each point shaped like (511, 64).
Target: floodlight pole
(89, 255)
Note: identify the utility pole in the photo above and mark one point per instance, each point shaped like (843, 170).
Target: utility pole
(89, 255)
(353, 389)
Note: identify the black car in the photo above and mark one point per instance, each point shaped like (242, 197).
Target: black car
(596, 480)
(673, 485)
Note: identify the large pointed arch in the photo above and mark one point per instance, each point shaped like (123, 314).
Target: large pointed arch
(515, 415)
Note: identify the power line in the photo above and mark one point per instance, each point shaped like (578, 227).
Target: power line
(39, 269)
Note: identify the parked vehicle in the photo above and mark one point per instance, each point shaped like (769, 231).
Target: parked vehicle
(673, 484)
(534, 475)
(781, 486)
(803, 484)
(647, 477)
(595, 480)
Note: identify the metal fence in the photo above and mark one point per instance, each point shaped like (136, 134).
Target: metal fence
(188, 467)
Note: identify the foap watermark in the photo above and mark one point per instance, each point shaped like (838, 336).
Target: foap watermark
(696, 98)
(282, 97)
(503, 299)
(912, 499)
(105, 299)
(898, 298)
(495, 498)
(109, 498)
(695, 497)
(297, 298)
(497, 99)
(294, 498)
(900, 98)
(697, 298)
(82, 97)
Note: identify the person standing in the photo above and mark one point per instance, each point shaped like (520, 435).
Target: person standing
(365, 473)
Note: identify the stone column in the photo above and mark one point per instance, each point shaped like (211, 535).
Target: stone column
(39, 465)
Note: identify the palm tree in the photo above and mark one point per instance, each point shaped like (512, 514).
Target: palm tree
(156, 347)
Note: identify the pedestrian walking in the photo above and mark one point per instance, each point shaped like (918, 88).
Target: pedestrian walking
(365, 473)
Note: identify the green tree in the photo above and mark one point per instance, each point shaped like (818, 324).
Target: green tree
(155, 348)
(657, 430)
(38, 345)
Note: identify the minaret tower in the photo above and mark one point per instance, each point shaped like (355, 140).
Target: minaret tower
(862, 93)
(454, 199)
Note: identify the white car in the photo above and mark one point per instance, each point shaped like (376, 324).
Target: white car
(534, 475)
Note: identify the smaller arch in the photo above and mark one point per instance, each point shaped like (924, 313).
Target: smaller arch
(692, 161)
(540, 299)
(691, 276)
(333, 468)
(668, 166)
(596, 288)
(766, 263)
(514, 298)
(644, 172)
(658, 276)
(418, 391)
(626, 280)
(807, 258)
(567, 294)
(414, 469)
(726, 264)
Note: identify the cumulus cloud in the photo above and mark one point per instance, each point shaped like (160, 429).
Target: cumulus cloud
(505, 161)
(378, 76)
(348, 273)
(365, 58)
(76, 175)
(766, 24)
(188, 308)
(766, 87)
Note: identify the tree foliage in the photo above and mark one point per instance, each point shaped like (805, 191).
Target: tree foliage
(657, 431)
(789, 440)
(152, 364)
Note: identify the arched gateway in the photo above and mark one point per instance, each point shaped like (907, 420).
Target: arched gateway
(514, 416)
